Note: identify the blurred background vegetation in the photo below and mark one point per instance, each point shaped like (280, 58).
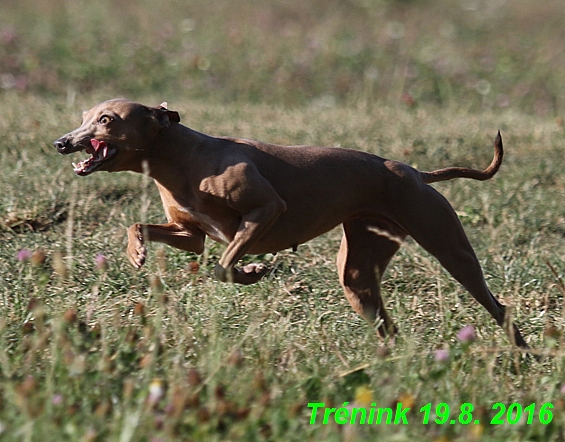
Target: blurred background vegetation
(474, 53)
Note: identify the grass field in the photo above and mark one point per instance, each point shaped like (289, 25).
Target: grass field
(93, 350)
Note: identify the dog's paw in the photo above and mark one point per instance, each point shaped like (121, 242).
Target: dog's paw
(136, 251)
(249, 274)
(137, 255)
(255, 268)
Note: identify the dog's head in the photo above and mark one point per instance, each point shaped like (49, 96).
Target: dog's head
(116, 133)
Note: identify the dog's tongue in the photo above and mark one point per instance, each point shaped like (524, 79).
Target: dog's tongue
(97, 144)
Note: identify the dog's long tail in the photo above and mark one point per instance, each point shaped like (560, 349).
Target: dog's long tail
(463, 172)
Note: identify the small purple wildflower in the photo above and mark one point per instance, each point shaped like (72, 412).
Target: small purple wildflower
(24, 255)
(101, 262)
(467, 334)
(57, 399)
(441, 355)
(7, 36)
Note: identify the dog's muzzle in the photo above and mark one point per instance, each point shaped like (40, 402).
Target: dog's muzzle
(98, 149)
(64, 146)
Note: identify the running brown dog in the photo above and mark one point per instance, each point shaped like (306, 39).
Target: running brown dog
(258, 198)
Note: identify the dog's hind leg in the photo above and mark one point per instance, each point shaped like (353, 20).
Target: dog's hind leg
(365, 251)
(433, 223)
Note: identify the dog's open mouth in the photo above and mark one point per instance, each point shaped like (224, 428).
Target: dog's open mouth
(100, 152)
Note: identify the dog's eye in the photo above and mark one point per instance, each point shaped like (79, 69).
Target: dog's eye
(104, 119)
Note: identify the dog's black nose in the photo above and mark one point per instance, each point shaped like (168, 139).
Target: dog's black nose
(60, 145)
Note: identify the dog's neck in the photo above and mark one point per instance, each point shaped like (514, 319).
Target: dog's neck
(173, 154)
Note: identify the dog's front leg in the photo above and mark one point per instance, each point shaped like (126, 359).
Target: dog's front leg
(258, 205)
(253, 225)
(184, 237)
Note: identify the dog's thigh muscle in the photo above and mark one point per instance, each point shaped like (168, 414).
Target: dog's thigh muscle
(364, 253)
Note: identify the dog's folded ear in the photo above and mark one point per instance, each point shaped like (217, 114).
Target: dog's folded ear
(165, 116)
